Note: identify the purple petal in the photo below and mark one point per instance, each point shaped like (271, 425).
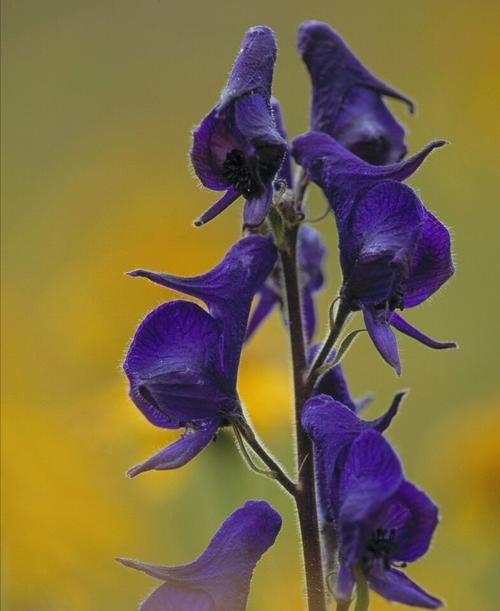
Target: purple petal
(396, 586)
(257, 207)
(220, 205)
(377, 242)
(253, 69)
(333, 427)
(224, 569)
(341, 174)
(173, 598)
(173, 365)
(345, 582)
(334, 70)
(431, 263)
(228, 290)
(403, 326)
(333, 383)
(371, 474)
(367, 128)
(254, 119)
(266, 304)
(414, 517)
(177, 454)
(381, 423)
(382, 336)
(212, 141)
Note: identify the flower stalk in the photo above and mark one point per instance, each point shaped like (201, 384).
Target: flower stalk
(306, 496)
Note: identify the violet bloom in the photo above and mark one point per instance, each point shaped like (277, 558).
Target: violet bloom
(237, 147)
(333, 426)
(183, 361)
(393, 252)
(347, 98)
(383, 523)
(311, 252)
(219, 579)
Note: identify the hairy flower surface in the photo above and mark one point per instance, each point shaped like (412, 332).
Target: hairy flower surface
(383, 522)
(393, 252)
(347, 98)
(183, 361)
(237, 148)
(311, 252)
(219, 579)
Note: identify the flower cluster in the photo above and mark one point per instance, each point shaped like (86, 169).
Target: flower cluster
(354, 504)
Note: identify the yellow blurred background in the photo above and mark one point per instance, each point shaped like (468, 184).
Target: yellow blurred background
(99, 98)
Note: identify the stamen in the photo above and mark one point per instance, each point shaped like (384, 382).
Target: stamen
(238, 174)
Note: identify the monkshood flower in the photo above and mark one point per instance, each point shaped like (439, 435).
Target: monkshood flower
(183, 361)
(237, 147)
(383, 522)
(311, 252)
(347, 98)
(333, 426)
(393, 252)
(341, 175)
(219, 579)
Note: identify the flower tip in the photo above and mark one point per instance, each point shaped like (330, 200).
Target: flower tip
(198, 223)
(133, 471)
(134, 273)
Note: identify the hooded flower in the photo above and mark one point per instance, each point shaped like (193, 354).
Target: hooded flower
(393, 252)
(333, 426)
(237, 147)
(347, 98)
(219, 579)
(383, 522)
(311, 253)
(183, 361)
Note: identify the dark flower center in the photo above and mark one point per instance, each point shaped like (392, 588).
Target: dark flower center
(237, 173)
(380, 545)
(372, 151)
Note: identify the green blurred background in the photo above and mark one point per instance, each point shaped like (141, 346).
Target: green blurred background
(99, 98)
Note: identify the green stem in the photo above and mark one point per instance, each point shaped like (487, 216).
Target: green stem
(275, 471)
(306, 492)
(340, 319)
(362, 591)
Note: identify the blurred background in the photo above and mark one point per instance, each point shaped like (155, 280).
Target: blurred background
(99, 98)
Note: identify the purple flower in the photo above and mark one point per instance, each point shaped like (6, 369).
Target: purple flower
(393, 252)
(183, 361)
(383, 523)
(237, 147)
(311, 253)
(333, 426)
(219, 579)
(347, 98)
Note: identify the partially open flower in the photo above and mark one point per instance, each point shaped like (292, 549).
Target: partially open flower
(237, 147)
(347, 99)
(384, 522)
(182, 364)
(219, 579)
